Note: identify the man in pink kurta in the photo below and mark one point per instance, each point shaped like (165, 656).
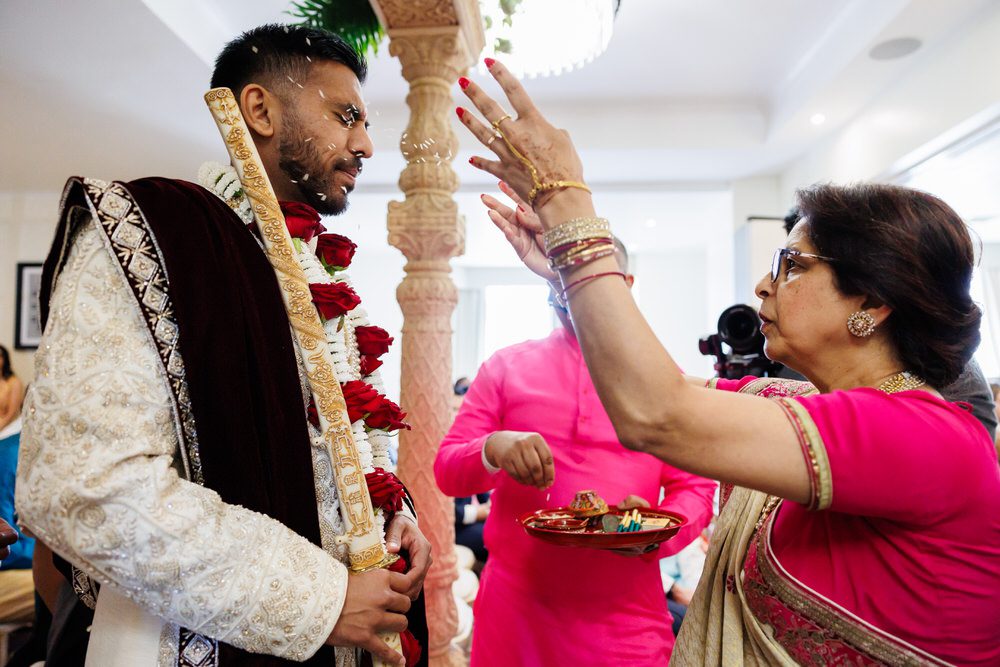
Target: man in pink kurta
(541, 604)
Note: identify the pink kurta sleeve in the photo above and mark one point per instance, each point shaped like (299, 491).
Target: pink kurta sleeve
(458, 468)
(690, 496)
(907, 456)
(723, 384)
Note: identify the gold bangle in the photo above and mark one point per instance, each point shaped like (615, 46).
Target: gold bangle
(585, 257)
(554, 185)
(577, 229)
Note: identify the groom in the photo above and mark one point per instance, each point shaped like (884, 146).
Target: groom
(166, 451)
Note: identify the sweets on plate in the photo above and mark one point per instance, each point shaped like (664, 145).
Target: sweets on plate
(588, 503)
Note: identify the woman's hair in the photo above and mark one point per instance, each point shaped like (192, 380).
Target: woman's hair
(909, 250)
(5, 370)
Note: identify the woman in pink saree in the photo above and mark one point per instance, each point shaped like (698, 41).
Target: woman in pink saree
(861, 511)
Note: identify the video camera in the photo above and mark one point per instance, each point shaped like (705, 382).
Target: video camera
(739, 331)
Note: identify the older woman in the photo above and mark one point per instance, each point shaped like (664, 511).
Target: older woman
(861, 519)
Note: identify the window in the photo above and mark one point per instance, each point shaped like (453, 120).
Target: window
(514, 314)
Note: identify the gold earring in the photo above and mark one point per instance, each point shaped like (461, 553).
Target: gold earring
(861, 324)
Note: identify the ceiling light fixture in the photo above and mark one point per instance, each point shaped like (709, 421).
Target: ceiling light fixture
(546, 37)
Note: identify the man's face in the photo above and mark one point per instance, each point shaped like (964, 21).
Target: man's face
(324, 136)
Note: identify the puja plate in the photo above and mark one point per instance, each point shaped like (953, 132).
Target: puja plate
(563, 527)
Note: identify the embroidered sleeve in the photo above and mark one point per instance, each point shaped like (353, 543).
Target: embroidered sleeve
(814, 451)
(98, 482)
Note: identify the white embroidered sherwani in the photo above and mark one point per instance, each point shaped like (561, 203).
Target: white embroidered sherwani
(101, 482)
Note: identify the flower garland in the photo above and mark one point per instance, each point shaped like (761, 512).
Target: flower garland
(353, 342)
(224, 182)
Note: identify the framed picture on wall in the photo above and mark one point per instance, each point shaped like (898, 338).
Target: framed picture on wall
(27, 321)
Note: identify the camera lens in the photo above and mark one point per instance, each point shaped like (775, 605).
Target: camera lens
(739, 328)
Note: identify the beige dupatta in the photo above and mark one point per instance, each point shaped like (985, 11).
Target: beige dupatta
(719, 628)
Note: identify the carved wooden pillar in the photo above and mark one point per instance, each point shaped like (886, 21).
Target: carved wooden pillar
(435, 41)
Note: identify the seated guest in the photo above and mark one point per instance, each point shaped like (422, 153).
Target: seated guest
(17, 593)
(532, 429)
(680, 574)
(470, 519)
(860, 519)
(11, 391)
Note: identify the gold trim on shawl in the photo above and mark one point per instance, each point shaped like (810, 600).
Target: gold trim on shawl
(820, 475)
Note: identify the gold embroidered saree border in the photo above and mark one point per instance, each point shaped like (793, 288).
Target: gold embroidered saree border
(854, 631)
(820, 475)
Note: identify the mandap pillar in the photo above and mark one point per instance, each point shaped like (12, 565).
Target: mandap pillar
(435, 41)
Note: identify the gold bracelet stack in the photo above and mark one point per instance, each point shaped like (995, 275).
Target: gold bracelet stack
(579, 241)
(582, 253)
(575, 230)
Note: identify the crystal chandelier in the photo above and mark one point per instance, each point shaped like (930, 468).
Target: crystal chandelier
(546, 37)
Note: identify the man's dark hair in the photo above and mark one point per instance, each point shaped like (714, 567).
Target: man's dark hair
(276, 56)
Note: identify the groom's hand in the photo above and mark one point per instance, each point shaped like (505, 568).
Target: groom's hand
(404, 534)
(374, 604)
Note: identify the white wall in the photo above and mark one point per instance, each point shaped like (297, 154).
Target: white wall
(27, 225)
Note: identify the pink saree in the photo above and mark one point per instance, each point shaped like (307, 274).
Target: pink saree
(895, 560)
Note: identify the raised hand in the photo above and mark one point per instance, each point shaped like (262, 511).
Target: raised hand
(522, 229)
(530, 151)
(526, 457)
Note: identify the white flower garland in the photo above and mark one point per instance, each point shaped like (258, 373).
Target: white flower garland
(223, 180)
(372, 445)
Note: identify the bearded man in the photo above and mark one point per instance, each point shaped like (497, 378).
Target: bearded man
(168, 453)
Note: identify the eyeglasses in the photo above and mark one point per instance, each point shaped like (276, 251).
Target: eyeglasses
(781, 255)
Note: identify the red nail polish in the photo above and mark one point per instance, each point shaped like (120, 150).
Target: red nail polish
(463, 82)
(472, 160)
(460, 111)
(489, 62)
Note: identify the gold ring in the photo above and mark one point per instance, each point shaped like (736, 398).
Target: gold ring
(496, 124)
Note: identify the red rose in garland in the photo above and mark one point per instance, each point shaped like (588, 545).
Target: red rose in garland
(369, 364)
(387, 416)
(335, 251)
(411, 647)
(361, 399)
(386, 490)
(374, 341)
(334, 300)
(302, 220)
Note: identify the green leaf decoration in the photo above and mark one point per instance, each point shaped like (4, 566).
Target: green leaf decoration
(354, 20)
(501, 45)
(508, 7)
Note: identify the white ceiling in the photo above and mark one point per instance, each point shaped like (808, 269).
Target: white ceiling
(689, 91)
